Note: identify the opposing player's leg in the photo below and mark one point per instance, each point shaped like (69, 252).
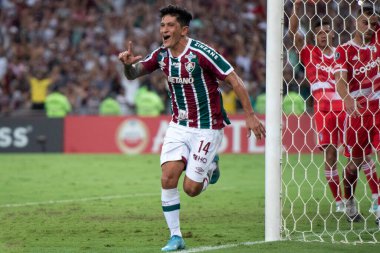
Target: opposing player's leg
(329, 126)
(332, 176)
(369, 169)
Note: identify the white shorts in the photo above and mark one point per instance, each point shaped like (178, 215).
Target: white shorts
(196, 147)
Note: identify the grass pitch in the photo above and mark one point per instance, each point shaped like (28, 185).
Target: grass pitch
(111, 203)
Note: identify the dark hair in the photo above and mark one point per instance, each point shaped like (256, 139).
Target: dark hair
(318, 22)
(366, 8)
(183, 16)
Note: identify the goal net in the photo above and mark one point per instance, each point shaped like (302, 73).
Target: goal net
(308, 196)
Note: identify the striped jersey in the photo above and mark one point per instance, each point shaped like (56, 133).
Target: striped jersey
(363, 76)
(318, 67)
(192, 78)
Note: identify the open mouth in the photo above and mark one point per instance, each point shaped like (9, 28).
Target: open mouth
(166, 37)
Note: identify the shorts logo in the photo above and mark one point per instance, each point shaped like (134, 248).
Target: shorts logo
(320, 137)
(132, 136)
(199, 158)
(199, 170)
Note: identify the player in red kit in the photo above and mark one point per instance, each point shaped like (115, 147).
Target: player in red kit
(328, 115)
(358, 83)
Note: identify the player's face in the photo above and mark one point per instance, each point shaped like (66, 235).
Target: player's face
(324, 36)
(366, 26)
(171, 31)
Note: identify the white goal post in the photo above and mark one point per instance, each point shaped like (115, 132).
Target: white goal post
(273, 115)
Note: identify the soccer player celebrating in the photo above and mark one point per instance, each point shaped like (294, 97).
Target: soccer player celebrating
(196, 129)
(358, 83)
(328, 116)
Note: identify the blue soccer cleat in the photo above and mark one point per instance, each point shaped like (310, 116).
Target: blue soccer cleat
(216, 173)
(175, 243)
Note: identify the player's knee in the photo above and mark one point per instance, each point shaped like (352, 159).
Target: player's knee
(169, 181)
(192, 191)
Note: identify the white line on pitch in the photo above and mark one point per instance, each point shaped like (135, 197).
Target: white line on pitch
(49, 202)
(80, 200)
(226, 246)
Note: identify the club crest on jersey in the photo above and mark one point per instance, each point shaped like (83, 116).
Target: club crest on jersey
(190, 66)
(337, 56)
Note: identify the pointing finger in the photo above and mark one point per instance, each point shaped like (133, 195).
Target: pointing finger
(130, 46)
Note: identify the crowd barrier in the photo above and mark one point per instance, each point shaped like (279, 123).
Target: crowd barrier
(133, 135)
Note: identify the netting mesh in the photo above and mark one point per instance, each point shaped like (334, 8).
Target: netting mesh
(310, 208)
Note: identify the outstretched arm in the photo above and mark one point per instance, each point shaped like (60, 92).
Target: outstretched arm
(299, 39)
(252, 122)
(132, 68)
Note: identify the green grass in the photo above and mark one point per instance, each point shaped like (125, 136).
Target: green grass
(53, 203)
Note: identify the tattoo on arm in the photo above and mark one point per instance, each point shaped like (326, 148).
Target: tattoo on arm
(133, 71)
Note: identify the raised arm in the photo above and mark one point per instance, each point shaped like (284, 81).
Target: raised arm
(132, 68)
(252, 122)
(298, 38)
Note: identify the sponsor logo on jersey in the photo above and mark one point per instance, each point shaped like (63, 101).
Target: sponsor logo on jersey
(323, 68)
(181, 80)
(371, 65)
(190, 56)
(132, 136)
(176, 64)
(182, 115)
(207, 50)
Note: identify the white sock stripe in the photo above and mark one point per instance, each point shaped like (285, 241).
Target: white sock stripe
(331, 173)
(369, 165)
(170, 197)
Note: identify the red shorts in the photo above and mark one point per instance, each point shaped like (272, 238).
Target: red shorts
(329, 127)
(362, 135)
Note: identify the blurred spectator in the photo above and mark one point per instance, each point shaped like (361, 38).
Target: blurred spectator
(293, 103)
(260, 103)
(109, 106)
(148, 103)
(56, 104)
(77, 42)
(229, 99)
(39, 84)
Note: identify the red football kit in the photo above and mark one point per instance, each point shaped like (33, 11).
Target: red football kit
(328, 106)
(363, 78)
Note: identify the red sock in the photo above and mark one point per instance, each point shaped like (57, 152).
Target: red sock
(349, 182)
(369, 170)
(332, 178)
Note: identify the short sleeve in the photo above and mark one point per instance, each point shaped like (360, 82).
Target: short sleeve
(150, 62)
(340, 60)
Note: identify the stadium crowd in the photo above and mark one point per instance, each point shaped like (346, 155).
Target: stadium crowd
(74, 45)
